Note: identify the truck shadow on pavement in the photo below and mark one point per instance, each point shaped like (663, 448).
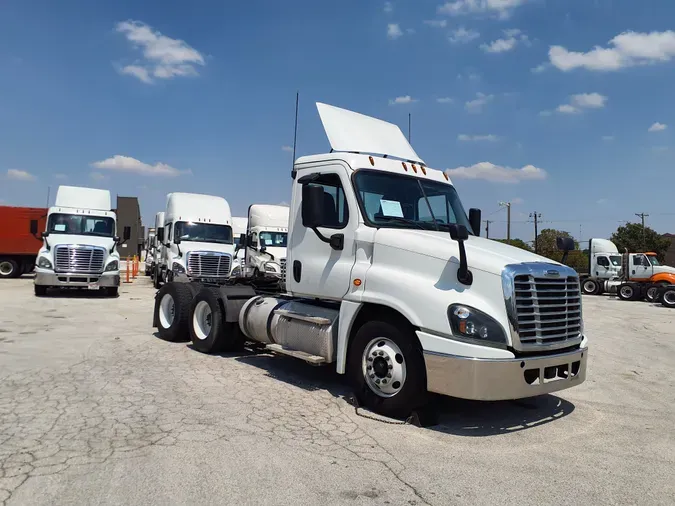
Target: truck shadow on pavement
(454, 416)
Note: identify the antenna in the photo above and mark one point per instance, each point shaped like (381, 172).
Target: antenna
(409, 122)
(295, 133)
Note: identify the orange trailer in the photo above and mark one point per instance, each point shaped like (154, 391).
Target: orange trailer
(18, 244)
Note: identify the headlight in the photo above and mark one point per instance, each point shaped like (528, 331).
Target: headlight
(178, 268)
(112, 266)
(474, 325)
(272, 267)
(44, 263)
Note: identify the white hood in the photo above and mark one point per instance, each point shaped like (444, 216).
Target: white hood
(483, 254)
(187, 246)
(277, 252)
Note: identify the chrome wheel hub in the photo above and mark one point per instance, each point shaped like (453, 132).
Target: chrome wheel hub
(384, 367)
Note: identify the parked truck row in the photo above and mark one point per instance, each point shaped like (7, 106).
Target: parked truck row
(377, 270)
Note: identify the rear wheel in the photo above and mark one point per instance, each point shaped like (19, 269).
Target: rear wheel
(628, 291)
(172, 309)
(386, 368)
(652, 293)
(668, 297)
(9, 268)
(590, 287)
(156, 279)
(209, 331)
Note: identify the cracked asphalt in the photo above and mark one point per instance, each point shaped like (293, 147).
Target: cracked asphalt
(94, 409)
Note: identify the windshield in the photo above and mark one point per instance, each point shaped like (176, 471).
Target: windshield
(616, 260)
(79, 224)
(274, 239)
(391, 200)
(203, 232)
(654, 260)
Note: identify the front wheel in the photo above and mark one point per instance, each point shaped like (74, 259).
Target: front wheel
(112, 291)
(386, 369)
(652, 293)
(590, 287)
(9, 268)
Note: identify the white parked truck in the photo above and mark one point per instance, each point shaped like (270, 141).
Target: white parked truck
(197, 239)
(389, 282)
(632, 276)
(239, 226)
(150, 252)
(158, 250)
(80, 243)
(266, 240)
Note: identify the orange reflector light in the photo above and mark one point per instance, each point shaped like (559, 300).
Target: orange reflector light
(357, 282)
(424, 171)
(446, 177)
(372, 162)
(405, 167)
(462, 326)
(414, 168)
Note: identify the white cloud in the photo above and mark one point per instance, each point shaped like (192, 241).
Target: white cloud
(121, 163)
(406, 99)
(499, 8)
(476, 138)
(477, 104)
(462, 36)
(20, 175)
(608, 138)
(513, 37)
(97, 176)
(567, 109)
(388, 7)
(626, 50)
(445, 100)
(517, 201)
(163, 57)
(540, 68)
(491, 172)
(394, 31)
(583, 101)
(437, 23)
(657, 127)
(288, 149)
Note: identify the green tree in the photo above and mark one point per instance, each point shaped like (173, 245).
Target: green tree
(518, 243)
(631, 236)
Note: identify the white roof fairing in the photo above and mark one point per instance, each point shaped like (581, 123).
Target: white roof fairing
(350, 131)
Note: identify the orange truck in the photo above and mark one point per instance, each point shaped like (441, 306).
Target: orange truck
(19, 239)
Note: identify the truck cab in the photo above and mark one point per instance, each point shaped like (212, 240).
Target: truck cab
(150, 252)
(80, 243)
(266, 240)
(239, 226)
(197, 238)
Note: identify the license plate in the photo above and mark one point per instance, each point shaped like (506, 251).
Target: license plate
(92, 286)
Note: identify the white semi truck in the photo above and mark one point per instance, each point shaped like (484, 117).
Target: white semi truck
(158, 250)
(389, 282)
(239, 226)
(197, 239)
(80, 243)
(266, 240)
(150, 252)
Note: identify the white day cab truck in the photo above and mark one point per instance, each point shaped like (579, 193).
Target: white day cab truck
(150, 252)
(632, 276)
(80, 243)
(158, 250)
(266, 240)
(197, 241)
(239, 227)
(389, 283)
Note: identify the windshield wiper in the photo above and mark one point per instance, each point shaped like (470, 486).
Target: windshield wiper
(398, 219)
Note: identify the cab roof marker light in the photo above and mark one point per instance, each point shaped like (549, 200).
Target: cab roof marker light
(424, 171)
(372, 162)
(414, 168)
(405, 167)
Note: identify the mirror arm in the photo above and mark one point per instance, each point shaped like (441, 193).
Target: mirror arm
(464, 275)
(336, 241)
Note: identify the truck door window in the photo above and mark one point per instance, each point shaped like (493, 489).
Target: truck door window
(335, 209)
(616, 260)
(440, 208)
(603, 261)
(637, 260)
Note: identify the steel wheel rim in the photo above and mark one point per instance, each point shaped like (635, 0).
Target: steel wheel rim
(384, 367)
(669, 297)
(651, 293)
(6, 268)
(589, 286)
(202, 320)
(167, 311)
(627, 291)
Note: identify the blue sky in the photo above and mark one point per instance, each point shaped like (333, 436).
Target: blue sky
(144, 98)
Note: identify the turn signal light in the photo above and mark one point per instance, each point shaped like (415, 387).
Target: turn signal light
(357, 282)
(446, 176)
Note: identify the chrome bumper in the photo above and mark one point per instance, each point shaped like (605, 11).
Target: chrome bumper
(503, 379)
(76, 279)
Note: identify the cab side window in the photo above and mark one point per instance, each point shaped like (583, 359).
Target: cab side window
(603, 261)
(335, 209)
(638, 260)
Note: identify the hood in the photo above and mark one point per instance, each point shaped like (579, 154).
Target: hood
(85, 240)
(483, 254)
(187, 246)
(278, 253)
(664, 268)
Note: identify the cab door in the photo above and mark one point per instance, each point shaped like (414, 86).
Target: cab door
(640, 267)
(315, 268)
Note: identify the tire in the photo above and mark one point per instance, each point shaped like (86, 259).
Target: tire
(589, 286)
(9, 268)
(156, 279)
(40, 290)
(652, 293)
(112, 291)
(668, 297)
(172, 310)
(209, 331)
(628, 291)
(394, 347)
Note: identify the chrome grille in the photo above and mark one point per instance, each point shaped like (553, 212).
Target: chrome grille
(75, 258)
(209, 264)
(545, 305)
(282, 263)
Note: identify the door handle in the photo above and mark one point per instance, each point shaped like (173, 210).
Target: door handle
(297, 270)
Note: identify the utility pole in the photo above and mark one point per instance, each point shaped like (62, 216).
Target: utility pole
(536, 216)
(642, 216)
(507, 205)
(487, 228)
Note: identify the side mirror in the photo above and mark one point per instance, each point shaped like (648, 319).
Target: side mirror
(459, 233)
(312, 206)
(474, 220)
(242, 241)
(44, 235)
(33, 227)
(160, 235)
(176, 241)
(565, 244)
(127, 233)
(263, 245)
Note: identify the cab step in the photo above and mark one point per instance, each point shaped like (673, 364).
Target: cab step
(312, 359)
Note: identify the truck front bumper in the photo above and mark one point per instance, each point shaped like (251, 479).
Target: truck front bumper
(503, 379)
(76, 279)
